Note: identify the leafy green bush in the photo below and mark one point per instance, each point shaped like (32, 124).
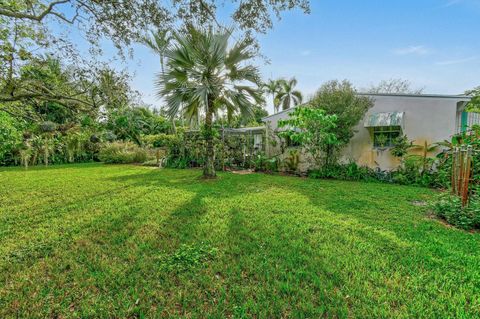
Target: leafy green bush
(122, 153)
(292, 162)
(449, 207)
(401, 145)
(10, 135)
(161, 140)
(47, 127)
(350, 172)
(263, 163)
(313, 129)
(182, 162)
(109, 136)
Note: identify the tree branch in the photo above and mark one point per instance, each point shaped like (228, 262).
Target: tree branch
(15, 115)
(210, 13)
(40, 17)
(62, 99)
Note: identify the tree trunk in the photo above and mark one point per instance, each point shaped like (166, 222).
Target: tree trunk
(162, 64)
(209, 169)
(329, 155)
(46, 153)
(286, 104)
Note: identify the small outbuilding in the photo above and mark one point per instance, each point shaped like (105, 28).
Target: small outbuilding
(422, 118)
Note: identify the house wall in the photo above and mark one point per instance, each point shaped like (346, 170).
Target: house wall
(430, 119)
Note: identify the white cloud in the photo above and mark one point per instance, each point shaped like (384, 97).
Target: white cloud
(305, 53)
(457, 61)
(469, 3)
(451, 3)
(413, 49)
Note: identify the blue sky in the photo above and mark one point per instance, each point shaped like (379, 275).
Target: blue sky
(432, 43)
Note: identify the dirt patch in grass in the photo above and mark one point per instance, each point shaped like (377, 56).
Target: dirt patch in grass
(243, 172)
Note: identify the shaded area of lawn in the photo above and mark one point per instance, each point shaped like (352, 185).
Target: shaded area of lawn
(126, 241)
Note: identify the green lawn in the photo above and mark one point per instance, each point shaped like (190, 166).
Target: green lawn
(125, 241)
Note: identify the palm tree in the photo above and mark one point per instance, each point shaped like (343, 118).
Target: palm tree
(204, 76)
(273, 87)
(288, 94)
(158, 42)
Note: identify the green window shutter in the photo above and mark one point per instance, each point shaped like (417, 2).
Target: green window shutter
(464, 123)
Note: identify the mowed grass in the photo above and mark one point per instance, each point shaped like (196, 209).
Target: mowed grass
(125, 241)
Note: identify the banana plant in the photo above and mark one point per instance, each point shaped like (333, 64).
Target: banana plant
(424, 159)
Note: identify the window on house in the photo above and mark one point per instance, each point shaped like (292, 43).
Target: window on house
(384, 136)
(290, 143)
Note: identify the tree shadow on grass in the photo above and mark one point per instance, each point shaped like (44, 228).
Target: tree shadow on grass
(310, 250)
(275, 265)
(225, 185)
(378, 214)
(181, 224)
(352, 201)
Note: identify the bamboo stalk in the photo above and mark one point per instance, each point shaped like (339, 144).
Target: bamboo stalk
(461, 172)
(467, 175)
(454, 173)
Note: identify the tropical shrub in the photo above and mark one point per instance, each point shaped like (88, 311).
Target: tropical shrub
(266, 164)
(449, 207)
(188, 149)
(401, 145)
(45, 143)
(109, 136)
(340, 99)
(161, 140)
(313, 129)
(410, 173)
(351, 172)
(292, 162)
(10, 136)
(122, 153)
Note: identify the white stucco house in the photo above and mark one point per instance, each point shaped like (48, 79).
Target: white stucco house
(425, 117)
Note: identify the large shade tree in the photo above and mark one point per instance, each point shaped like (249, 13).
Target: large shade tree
(340, 98)
(204, 76)
(31, 27)
(394, 86)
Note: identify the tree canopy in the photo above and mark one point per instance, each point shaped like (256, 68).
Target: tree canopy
(29, 29)
(474, 105)
(394, 86)
(341, 99)
(288, 96)
(313, 129)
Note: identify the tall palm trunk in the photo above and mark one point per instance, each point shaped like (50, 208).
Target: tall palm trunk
(45, 154)
(276, 104)
(162, 65)
(286, 105)
(209, 169)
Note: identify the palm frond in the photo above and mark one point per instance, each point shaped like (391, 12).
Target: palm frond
(200, 69)
(298, 97)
